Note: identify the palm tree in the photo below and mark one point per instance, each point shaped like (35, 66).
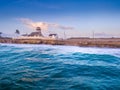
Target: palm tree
(0, 34)
(17, 31)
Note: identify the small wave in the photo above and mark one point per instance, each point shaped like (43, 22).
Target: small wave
(90, 50)
(66, 49)
(89, 63)
(32, 59)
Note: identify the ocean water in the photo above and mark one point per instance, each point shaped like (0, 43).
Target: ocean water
(47, 67)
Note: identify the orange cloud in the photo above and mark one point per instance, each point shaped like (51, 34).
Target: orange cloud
(44, 25)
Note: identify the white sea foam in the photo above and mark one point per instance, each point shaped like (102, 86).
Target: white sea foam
(91, 50)
(67, 49)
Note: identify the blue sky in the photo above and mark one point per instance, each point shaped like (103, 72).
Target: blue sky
(86, 16)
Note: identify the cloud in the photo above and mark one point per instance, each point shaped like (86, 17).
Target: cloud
(30, 24)
(44, 25)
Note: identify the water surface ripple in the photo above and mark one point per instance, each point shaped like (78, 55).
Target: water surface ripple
(47, 67)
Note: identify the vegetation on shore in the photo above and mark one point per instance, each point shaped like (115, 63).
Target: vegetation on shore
(87, 42)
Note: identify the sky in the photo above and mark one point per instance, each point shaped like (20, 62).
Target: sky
(75, 18)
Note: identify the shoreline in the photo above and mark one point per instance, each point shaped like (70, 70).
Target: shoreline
(82, 42)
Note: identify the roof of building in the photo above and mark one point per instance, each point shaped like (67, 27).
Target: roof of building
(35, 34)
(52, 34)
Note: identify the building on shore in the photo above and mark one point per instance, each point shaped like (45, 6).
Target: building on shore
(55, 36)
(38, 35)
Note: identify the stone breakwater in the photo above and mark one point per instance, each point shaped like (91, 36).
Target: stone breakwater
(89, 42)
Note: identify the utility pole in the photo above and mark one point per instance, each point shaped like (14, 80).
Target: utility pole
(64, 35)
(93, 36)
